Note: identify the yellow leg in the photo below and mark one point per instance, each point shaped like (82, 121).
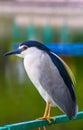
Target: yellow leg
(47, 115)
(49, 111)
(46, 110)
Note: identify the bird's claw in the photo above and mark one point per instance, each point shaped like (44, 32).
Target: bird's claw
(48, 119)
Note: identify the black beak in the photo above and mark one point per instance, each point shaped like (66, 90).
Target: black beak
(16, 51)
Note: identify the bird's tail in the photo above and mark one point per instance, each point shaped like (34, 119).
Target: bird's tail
(73, 113)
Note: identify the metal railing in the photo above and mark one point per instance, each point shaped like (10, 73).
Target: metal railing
(28, 125)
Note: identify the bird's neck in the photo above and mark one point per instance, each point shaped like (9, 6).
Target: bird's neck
(32, 58)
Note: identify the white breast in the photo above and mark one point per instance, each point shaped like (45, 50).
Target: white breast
(32, 63)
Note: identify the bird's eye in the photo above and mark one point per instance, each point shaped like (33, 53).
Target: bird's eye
(25, 47)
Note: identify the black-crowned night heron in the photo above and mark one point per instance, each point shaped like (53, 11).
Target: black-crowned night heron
(50, 75)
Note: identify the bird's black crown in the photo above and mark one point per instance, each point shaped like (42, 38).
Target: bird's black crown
(35, 44)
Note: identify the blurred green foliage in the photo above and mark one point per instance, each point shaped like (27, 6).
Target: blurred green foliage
(19, 100)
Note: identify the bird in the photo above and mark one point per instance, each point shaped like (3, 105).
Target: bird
(51, 76)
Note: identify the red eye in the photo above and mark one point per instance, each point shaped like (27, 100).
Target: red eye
(25, 47)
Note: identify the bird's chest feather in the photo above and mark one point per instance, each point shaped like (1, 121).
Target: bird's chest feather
(37, 66)
(32, 64)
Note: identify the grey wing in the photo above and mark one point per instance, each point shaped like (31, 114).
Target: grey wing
(52, 81)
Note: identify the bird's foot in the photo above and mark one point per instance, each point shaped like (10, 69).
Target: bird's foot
(48, 118)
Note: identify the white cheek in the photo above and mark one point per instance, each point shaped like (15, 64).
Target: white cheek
(19, 55)
(22, 54)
